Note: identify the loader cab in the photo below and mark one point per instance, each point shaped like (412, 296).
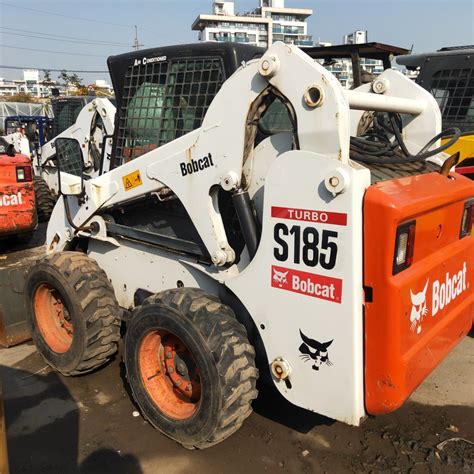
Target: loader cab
(66, 110)
(448, 74)
(164, 93)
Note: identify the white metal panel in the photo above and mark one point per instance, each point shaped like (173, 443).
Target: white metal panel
(337, 390)
(418, 129)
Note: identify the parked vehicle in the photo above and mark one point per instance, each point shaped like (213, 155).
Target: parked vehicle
(17, 195)
(331, 259)
(448, 74)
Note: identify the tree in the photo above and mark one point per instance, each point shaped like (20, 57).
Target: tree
(71, 79)
(64, 76)
(75, 81)
(47, 81)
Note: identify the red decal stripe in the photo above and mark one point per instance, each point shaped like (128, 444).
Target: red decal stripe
(309, 284)
(308, 215)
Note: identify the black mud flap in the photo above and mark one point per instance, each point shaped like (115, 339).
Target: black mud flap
(13, 317)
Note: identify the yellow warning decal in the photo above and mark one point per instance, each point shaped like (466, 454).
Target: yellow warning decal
(132, 180)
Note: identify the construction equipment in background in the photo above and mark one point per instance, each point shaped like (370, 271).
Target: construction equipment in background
(37, 129)
(331, 260)
(90, 121)
(65, 111)
(448, 74)
(93, 128)
(18, 216)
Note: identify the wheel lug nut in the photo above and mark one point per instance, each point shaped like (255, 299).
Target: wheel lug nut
(171, 370)
(178, 383)
(189, 387)
(169, 355)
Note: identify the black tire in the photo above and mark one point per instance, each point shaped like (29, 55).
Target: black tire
(90, 308)
(218, 345)
(45, 201)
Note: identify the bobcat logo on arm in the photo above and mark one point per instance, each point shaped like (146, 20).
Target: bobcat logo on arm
(419, 309)
(279, 278)
(312, 350)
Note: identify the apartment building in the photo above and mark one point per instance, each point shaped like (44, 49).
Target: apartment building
(269, 22)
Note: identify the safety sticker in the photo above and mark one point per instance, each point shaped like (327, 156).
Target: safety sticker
(309, 284)
(308, 215)
(132, 180)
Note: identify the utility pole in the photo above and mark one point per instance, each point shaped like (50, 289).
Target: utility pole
(136, 45)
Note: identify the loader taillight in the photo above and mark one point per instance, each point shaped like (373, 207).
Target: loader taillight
(404, 246)
(467, 219)
(23, 174)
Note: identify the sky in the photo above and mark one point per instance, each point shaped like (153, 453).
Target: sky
(106, 27)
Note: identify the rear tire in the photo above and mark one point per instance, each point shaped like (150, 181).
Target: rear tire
(73, 313)
(45, 201)
(190, 366)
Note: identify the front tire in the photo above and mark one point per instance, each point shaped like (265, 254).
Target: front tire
(73, 313)
(190, 366)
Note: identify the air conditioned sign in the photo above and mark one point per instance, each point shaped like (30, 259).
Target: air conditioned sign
(145, 60)
(11, 199)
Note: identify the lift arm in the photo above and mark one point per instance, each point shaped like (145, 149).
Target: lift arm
(196, 165)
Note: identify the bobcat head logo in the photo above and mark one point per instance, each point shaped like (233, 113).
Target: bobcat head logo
(279, 278)
(315, 351)
(419, 309)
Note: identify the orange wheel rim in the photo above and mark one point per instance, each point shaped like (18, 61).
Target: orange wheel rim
(169, 374)
(52, 318)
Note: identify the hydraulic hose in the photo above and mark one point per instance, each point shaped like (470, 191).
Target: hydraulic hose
(376, 148)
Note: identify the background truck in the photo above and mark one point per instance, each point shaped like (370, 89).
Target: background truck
(331, 260)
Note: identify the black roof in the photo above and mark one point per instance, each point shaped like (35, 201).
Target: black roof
(190, 49)
(232, 55)
(414, 61)
(372, 50)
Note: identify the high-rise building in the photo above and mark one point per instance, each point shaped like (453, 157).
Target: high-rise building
(270, 21)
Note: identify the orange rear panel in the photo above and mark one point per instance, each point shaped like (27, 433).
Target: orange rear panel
(17, 200)
(414, 318)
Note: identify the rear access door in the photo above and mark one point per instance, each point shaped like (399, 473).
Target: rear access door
(17, 194)
(418, 277)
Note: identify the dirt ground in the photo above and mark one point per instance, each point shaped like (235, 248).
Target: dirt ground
(89, 424)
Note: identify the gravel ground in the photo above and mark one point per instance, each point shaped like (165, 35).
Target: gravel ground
(86, 424)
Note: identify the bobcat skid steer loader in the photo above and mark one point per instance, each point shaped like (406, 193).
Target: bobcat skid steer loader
(18, 218)
(448, 74)
(93, 129)
(258, 220)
